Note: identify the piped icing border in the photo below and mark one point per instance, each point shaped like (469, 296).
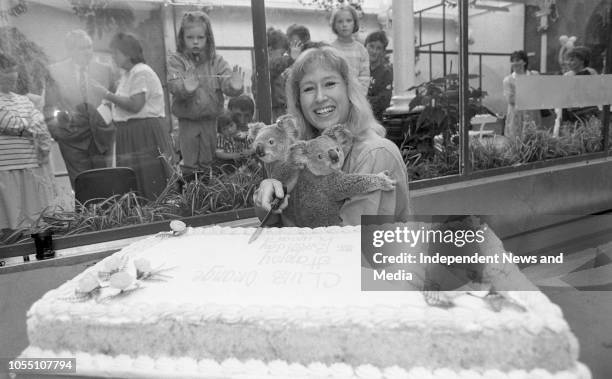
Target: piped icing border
(165, 367)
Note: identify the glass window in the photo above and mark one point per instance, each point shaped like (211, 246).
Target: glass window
(534, 107)
(98, 100)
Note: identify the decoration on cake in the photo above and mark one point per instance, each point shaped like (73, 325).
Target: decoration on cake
(112, 265)
(144, 271)
(119, 276)
(177, 227)
(87, 287)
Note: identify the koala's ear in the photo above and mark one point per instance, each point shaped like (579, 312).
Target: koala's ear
(298, 153)
(254, 129)
(340, 134)
(289, 124)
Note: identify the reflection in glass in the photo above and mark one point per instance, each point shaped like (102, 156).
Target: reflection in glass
(81, 82)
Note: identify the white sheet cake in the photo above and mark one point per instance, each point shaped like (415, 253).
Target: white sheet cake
(289, 305)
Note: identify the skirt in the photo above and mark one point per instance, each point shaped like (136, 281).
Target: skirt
(143, 144)
(24, 194)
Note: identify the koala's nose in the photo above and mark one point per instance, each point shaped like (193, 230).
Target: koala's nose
(333, 155)
(260, 151)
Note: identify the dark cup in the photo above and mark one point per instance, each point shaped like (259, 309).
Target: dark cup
(44, 244)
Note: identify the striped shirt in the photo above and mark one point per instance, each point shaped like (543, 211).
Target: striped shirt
(24, 137)
(233, 145)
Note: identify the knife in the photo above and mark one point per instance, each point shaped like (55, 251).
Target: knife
(273, 206)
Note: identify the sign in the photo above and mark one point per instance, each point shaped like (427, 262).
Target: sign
(544, 91)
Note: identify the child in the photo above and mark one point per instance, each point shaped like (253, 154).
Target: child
(242, 110)
(344, 23)
(381, 85)
(232, 146)
(298, 35)
(279, 60)
(197, 78)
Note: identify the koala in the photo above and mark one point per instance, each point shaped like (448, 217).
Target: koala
(272, 143)
(322, 187)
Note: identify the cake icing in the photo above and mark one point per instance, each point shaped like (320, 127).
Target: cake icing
(289, 305)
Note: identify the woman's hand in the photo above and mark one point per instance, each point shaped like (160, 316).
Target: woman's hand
(190, 81)
(268, 190)
(98, 89)
(237, 78)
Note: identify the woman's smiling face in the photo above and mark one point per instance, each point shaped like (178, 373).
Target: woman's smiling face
(323, 97)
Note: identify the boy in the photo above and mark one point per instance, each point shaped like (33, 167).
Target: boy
(241, 109)
(381, 84)
(233, 146)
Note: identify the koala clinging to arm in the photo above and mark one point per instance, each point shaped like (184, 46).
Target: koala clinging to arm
(272, 143)
(321, 186)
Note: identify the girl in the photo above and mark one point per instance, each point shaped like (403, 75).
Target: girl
(344, 23)
(197, 78)
(322, 93)
(138, 112)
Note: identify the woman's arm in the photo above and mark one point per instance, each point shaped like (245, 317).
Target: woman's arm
(135, 100)
(384, 203)
(508, 88)
(11, 124)
(263, 196)
(40, 132)
(132, 103)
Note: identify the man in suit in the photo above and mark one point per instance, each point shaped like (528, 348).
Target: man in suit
(70, 103)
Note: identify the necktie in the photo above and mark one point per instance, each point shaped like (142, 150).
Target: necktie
(83, 83)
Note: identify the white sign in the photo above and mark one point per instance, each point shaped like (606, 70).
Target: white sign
(545, 91)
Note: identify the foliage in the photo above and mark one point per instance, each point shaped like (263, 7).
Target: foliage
(102, 16)
(218, 190)
(487, 153)
(330, 5)
(438, 102)
(30, 57)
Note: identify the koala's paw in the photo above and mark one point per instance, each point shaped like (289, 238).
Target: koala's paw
(388, 182)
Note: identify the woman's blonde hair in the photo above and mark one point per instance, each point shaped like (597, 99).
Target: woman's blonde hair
(360, 117)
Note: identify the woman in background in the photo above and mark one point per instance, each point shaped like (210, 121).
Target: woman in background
(578, 60)
(516, 119)
(138, 111)
(26, 179)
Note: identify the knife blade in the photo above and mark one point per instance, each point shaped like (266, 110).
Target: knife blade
(274, 205)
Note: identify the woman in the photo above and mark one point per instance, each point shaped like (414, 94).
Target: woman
(320, 94)
(26, 180)
(578, 60)
(516, 119)
(138, 111)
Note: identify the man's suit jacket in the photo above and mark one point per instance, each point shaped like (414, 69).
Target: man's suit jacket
(64, 94)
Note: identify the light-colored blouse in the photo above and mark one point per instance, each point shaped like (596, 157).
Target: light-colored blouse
(141, 78)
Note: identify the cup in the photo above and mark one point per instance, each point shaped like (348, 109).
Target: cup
(44, 244)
